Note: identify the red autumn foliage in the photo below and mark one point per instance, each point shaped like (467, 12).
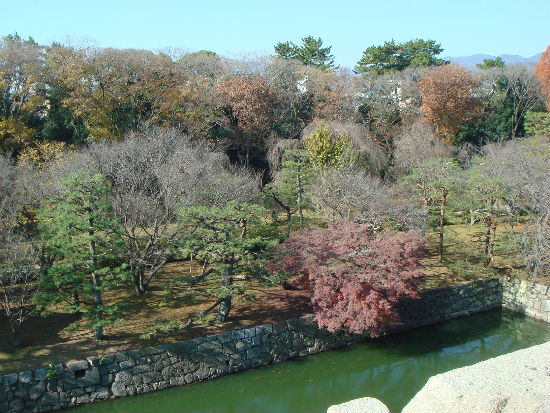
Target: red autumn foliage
(355, 278)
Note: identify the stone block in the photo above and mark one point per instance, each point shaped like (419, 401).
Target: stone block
(17, 405)
(120, 357)
(50, 399)
(36, 391)
(40, 374)
(131, 390)
(77, 392)
(10, 379)
(123, 377)
(127, 364)
(190, 378)
(118, 389)
(143, 368)
(91, 377)
(25, 376)
(84, 399)
(77, 365)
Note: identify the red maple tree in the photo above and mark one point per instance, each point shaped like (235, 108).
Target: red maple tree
(355, 278)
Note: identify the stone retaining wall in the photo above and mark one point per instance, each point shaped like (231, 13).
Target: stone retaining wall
(149, 369)
(526, 297)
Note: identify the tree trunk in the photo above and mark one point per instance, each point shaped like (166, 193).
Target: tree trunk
(96, 283)
(97, 306)
(139, 285)
(299, 200)
(288, 222)
(488, 258)
(76, 302)
(442, 225)
(225, 305)
(490, 234)
(15, 328)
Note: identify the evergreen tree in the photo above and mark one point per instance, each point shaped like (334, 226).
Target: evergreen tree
(436, 180)
(309, 53)
(81, 243)
(395, 57)
(290, 192)
(225, 238)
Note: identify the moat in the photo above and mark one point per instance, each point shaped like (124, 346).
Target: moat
(392, 369)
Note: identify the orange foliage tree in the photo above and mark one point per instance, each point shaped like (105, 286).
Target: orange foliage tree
(249, 105)
(448, 100)
(543, 73)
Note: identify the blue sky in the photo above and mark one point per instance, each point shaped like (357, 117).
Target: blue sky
(236, 27)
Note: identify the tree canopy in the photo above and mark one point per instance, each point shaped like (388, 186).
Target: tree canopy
(309, 53)
(491, 63)
(395, 57)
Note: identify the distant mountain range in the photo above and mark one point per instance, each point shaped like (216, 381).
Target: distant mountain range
(508, 59)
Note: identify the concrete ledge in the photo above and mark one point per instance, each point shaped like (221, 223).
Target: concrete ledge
(366, 404)
(514, 382)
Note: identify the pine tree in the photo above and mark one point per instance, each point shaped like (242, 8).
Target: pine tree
(81, 241)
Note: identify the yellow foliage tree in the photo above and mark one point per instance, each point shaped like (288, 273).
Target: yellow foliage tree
(329, 150)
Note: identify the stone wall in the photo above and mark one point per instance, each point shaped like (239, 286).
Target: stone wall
(526, 297)
(149, 369)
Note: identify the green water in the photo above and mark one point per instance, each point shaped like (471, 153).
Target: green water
(392, 369)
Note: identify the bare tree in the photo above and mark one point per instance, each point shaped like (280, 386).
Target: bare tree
(417, 144)
(524, 166)
(18, 259)
(525, 90)
(154, 173)
(19, 272)
(357, 196)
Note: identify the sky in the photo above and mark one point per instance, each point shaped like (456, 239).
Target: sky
(252, 27)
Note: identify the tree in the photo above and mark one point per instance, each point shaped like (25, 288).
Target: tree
(290, 189)
(309, 53)
(355, 195)
(19, 274)
(524, 90)
(395, 57)
(249, 104)
(487, 188)
(435, 180)
(83, 243)
(506, 95)
(497, 62)
(296, 106)
(416, 144)
(155, 172)
(524, 167)
(329, 150)
(221, 239)
(543, 73)
(355, 279)
(21, 91)
(387, 103)
(448, 95)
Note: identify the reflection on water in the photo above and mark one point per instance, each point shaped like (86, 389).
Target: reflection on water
(391, 369)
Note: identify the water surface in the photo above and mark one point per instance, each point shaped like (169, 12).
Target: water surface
(392, 369)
